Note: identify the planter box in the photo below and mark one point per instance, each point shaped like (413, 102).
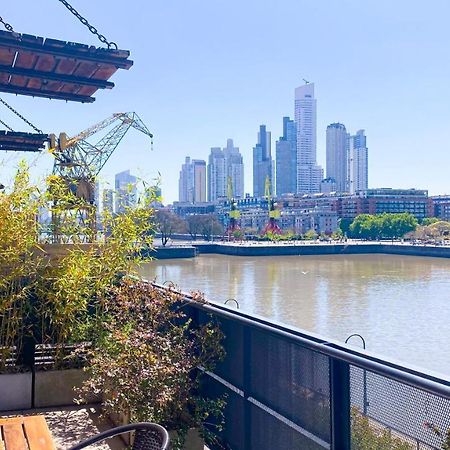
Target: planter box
(56, 387)
(15, 391)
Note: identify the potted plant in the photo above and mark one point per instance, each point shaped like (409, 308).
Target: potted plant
(146, 362)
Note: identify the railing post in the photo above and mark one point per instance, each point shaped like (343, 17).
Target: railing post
(247, 356)
(340, 405)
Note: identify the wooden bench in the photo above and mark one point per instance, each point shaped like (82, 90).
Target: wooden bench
(25, 433)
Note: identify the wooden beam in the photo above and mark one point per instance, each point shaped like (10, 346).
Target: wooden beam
(46, 94)
(30, 73)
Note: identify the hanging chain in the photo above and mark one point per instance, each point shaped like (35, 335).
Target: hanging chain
(6, 24)
(20, 116)
(91, 28)
(5, 125)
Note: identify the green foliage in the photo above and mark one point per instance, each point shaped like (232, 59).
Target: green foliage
(365, 436)
(429, 221)
(382, 226)
(71, 286)
(310, 235)
(146, 360)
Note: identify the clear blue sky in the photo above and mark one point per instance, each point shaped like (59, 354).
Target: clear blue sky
(205, 71)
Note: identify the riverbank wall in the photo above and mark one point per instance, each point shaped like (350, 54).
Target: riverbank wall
(171, 252)
(282, 249)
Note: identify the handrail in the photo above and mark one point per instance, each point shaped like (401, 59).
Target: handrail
(407, 375)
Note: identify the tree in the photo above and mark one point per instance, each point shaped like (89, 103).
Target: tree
(210, 226)
(387, 226)
(310, 235)
(194, 225)
(168, 223)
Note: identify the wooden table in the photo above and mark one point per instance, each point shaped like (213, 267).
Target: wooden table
(25, 433)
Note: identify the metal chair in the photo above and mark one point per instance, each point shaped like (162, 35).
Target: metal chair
(148, 436)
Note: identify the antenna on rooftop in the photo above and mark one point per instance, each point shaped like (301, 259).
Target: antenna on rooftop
(306, 81)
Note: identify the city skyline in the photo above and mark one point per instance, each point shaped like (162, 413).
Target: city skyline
(399, 45)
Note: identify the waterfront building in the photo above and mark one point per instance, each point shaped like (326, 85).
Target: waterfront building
(328, 185)
(358, 164)
(286, 159)
(126, 191)
(387, 200)
(309, 174)
(192, 181)
(224, 164)
(184, 209)
(441, 207)
(337, 154)
(262, 162)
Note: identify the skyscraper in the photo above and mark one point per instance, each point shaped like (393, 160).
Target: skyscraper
(126, 191)
(217, 175)
(192, 182)
(337, 154)
(309, 174)
(286, 159)
(234, 168)
(108, 201)
(262, 162)
(358, 162)
(224, 163)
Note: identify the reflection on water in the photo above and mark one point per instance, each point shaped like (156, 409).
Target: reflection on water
(399, 304)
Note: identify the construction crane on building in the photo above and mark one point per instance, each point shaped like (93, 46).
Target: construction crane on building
(234, 213)
(274, 214)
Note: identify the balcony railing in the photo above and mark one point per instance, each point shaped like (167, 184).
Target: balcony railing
(287, 389)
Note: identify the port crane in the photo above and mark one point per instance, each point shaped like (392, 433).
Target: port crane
(78, 162)
(274, 213)
(234, 213)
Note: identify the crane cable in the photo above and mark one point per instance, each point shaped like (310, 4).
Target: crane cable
(91, 28)
(6, 125)
(6, 24)
(21, 117)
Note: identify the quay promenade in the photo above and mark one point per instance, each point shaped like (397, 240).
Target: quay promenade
(254, 248)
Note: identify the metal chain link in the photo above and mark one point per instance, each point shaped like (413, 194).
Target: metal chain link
(91, 28)
(5, 125)
(6, 24)
(20, 116)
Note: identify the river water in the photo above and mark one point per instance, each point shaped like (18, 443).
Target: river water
(400, 304)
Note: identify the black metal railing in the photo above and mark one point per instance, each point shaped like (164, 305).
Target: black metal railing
(287, 389)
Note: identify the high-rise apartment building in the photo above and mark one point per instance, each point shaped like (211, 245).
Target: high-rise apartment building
(126, 191)
(358, 164)
(337, 163)
(286, 159)
(192, 181)
(309, 174)
(262, 162)
(217, 174)
(108, 201)
(223, 164)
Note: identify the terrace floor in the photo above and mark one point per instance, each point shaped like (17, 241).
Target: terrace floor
(73, 424)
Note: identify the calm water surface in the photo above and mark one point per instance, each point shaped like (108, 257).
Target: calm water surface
(400, 304)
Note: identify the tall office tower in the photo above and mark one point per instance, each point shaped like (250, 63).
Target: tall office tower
(286, 159)
(234, 164)
(309, 174)
(262, 162)
(126, 191)
(192, 182)
(224, 163)
(108, 201)
(337, 163)
(217, 174)
(358, 162)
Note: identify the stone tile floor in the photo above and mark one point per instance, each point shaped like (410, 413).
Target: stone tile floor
(71, 425)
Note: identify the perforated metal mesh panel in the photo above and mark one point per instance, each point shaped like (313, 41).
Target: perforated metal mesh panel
(407, 412)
